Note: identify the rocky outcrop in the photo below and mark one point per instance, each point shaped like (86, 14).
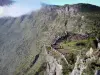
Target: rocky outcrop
(89, 53)
(79, 67)
(83, 63)
(53, 65)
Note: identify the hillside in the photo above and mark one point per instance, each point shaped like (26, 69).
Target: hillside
(52, 39)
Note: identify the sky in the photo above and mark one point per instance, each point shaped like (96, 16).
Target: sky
(21, 7)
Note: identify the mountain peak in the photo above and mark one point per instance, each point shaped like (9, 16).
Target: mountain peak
(80, 7)
(84, 7)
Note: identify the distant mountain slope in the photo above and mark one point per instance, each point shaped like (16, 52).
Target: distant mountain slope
(22, 39)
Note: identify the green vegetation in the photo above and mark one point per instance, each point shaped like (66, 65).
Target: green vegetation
(42, 69)
(74, 46)
(66, 68)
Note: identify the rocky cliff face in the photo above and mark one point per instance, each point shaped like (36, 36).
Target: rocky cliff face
(66, 31)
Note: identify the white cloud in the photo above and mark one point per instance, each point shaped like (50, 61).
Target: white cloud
(14, 10)
(1, 11)
(17, 9)
(20, 7)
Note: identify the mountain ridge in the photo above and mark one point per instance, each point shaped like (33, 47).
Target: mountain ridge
(79, 6)
(23, 38)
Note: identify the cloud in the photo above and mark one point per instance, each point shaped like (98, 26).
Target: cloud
(15, 10)
(19, 8)
(1, 11)
(5, 2)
